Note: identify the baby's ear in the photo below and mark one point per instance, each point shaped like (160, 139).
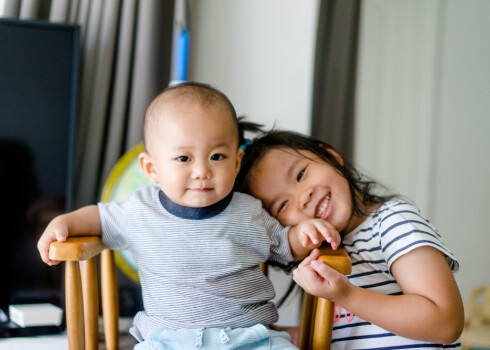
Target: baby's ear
(239, 158)
(148, 167)
(333, 152)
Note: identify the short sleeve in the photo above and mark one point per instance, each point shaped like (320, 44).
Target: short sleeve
(403, 228)
(115, 221)
(280, 251)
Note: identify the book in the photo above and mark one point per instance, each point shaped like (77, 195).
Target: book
(30, 315)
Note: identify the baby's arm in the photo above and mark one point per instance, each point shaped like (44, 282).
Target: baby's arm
(309, 234)
(84, 221)
(430, 308)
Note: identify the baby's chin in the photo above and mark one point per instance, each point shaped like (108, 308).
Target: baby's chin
(200, 200)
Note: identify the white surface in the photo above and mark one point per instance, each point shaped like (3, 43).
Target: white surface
(55, 342)
(260, 54)
(422, 117)
(29, 315)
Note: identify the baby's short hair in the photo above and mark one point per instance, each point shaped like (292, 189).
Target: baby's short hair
(183, 93)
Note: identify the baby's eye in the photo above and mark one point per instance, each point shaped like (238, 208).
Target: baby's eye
(281, 207)
(217, 156)
(183, 159)
(300, 174)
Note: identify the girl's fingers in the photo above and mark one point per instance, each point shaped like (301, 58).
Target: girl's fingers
(311, 235)
(326, 233)
(306, 241)
(313, 255)
(321, 268)
(329, 234)
(309, 280)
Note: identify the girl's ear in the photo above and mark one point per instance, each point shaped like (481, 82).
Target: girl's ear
(148, 167)
(334, 153)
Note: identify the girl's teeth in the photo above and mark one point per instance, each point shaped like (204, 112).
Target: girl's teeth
(323, 207)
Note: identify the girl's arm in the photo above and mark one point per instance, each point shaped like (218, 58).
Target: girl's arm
(430, 308)
(82, 222)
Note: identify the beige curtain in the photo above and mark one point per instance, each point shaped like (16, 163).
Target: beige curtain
(125, 62)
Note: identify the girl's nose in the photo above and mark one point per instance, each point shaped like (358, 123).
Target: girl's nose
(305, 197)
(201, 171)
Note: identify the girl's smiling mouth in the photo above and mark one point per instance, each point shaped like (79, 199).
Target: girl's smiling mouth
(323, 205)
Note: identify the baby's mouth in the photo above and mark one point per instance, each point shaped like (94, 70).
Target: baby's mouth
(201, 189)
(322, 206)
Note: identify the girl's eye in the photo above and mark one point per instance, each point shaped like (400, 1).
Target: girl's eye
(183, 159)
(217, 156)
(300, 174)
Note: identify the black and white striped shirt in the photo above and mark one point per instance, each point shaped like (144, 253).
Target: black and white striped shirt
(395, 229)
(199, 267)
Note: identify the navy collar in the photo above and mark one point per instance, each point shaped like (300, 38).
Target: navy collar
(194, 213)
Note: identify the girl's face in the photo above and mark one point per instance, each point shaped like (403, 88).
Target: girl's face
(294, 187)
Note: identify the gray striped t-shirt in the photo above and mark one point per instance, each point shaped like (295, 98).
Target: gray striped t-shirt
(198, 272)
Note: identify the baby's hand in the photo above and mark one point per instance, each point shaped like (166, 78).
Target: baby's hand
(313, 231)
(55, 231)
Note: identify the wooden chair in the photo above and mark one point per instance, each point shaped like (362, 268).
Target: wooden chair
(82, 296)
(82, 308)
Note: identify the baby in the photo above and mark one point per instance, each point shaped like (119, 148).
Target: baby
(197, 243)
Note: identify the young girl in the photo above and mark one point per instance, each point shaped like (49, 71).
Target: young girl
(401, 293)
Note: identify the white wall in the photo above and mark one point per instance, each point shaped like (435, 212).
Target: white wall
(461, 206)
(259, 53)
(423, 116)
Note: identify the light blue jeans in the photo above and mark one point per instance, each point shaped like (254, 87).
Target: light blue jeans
(255, 337)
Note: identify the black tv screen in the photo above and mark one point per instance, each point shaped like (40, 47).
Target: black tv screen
(39, 68)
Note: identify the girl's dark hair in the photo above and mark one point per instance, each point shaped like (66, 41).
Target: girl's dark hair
(361, 187)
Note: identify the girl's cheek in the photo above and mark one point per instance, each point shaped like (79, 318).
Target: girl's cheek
(292, 218)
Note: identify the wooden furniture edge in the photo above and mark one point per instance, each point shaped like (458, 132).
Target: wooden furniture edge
(76, 248)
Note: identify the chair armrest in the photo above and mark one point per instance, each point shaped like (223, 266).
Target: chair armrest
(336, 259)
(76, 248)
(317, 313)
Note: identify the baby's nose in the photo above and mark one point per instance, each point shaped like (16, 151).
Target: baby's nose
(201, 170)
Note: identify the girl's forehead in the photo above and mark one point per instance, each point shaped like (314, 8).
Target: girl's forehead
(275, 160)
(285, 154)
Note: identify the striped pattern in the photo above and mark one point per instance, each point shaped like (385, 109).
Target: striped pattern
(393, 230)
(198, 273)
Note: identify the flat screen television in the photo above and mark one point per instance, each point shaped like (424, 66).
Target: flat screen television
(39, 74)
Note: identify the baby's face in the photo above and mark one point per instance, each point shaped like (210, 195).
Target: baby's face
(194, 149)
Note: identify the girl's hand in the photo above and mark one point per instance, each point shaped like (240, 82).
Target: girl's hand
(313, 231)
(55, 231)
(319, 279)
